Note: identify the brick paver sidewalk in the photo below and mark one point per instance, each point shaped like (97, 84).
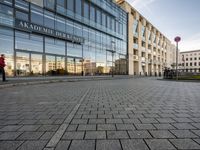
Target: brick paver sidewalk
(126, 114)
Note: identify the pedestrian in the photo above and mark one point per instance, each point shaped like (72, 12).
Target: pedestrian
(2, 65)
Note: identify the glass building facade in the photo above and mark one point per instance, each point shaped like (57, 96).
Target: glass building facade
(63, 37)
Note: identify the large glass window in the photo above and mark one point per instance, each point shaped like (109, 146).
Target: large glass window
(74, 50)
(28, 42)
(50, 65)
(22, 64)
(70, 5)
(78, 6)
(20, 4)
(6, 15)
(61, 5)
(98, 12)
(60, 24)
(36, 64)
(37, 2)
(104, 19)
(6, 47)
(7, 1)
(77, 29)
(69, 27)
(49, 4)
(135, 26)
(21, 15)
(108, 22)
(54, 46)
(37, 15)
(92, 13)
(49, 19)
(86, 10)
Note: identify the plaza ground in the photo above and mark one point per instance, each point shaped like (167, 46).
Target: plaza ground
(123, 114)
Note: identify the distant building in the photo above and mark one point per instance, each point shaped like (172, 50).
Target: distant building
(190, 60)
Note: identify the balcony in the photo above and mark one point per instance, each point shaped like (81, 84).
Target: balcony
(135, 57)
(135, 46)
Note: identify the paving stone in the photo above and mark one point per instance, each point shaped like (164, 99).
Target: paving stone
(72, 127)
(106, 127)
(79, 121)
(183, 134)
(10, 145)
(148, 120)
(33, 145)
(30, 135)
(165, 120)
(183, 126)
(197, 125)
(48, 128)
(29, 128)
(117, 135)
(95, 135)
(197, 132)
(131, 120)
(159, 144)
(73, 135)
(9, 135)
(197, 140)
(114, 121)
(164, 126)
(185, 144)
(160, 134)
(47, 135)
(87, 127)
(134, 144)
(82, 145)
(108, 145)
(183, 120)
(97, 121)
(10, 128)
(139, 134)
(62, 145)
(125, 127)
(144, 126)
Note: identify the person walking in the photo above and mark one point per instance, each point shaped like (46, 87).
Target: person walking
(2, 65)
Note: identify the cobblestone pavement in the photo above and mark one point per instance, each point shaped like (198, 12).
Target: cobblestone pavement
(126, 114)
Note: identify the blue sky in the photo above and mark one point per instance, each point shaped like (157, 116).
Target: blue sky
(172, 18)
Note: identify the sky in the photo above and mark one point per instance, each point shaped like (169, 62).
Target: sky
(173, 18)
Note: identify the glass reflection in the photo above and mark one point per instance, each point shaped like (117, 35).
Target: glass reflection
(22, 64)
(60, 65)
(50, 65)
(36, 64)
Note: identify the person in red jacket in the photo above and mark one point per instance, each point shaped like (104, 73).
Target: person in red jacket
(2, 65)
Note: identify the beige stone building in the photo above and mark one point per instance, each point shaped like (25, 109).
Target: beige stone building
(190, 61)
(149, 50)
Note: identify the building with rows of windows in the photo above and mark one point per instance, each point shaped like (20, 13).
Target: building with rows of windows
(190, 61)
(149, 50)
(63, 37)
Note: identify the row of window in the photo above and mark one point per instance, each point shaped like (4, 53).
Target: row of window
(191, 64)
(195, 58)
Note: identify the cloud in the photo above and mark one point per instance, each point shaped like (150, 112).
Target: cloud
(191, 43)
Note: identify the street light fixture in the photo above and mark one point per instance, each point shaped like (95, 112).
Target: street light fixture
(177, 39)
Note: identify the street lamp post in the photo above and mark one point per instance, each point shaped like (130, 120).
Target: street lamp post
(177, 39)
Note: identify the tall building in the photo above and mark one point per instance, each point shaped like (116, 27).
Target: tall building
(147, 46)
(57, 37)
(190, 61)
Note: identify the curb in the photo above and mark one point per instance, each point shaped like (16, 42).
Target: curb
(59, 80)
